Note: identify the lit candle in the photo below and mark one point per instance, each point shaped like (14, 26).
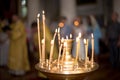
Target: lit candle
(43, 19)
(58, 30)
(55, 34)
(86, 50)
(79, 35)
(70, 36)
(51, 50)
(77, 48)
(67, 37)
(59, 36)
(87, 47)
(60, 49)
(43, 50)
(92, 42)
(39, 42)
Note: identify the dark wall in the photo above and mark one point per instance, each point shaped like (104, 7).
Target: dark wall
(8, 7)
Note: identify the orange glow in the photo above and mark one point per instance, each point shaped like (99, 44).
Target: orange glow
(61, 24)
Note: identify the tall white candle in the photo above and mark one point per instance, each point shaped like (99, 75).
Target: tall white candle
(51, 50)
(55, 34)
(87, 47)
(92, 42)
(43, 19)
(39, 42)
(60, 49)
(86, 50)
(77, 48)
(52, 46)
(59, 36)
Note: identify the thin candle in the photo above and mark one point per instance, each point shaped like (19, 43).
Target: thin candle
(87, 47)
(85, 42)
(55, 34)
(60, 49)
(43, 19)
(77, 48)
(51, 50)
(58, 36)
(92, 42)
(39, 42)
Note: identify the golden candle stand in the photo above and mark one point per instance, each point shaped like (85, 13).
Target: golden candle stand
(66, 67)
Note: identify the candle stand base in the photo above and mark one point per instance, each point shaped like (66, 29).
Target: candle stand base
(56, 74)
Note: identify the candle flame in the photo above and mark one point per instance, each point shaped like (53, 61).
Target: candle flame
(55, 30)
(79, 35)
(43, 12)
(70, 35)
(38, 15)
(92, 35)
(66, 37)
(85, 41)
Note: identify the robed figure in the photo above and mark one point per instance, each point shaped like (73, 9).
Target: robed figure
(18, 57)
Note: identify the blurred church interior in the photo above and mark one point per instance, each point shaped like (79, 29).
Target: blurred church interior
(27, 10)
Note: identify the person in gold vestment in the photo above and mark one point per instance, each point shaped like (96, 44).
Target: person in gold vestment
(18, 57)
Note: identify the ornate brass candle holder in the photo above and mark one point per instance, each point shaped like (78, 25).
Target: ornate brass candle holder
(66, 66)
